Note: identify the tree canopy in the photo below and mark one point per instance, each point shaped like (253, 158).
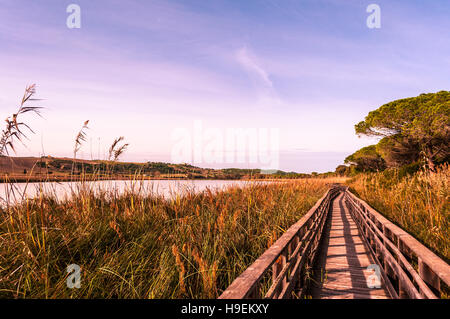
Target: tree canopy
(411, 128)
(366, 159)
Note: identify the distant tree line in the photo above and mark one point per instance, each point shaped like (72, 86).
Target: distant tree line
(160, 169)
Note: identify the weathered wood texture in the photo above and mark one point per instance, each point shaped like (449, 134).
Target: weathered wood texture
(355, 237)
(280, 271)
(341, 269)
(409, 268)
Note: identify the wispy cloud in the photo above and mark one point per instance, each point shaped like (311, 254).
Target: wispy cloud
(248, 62)
(309, 67)
(259, 76)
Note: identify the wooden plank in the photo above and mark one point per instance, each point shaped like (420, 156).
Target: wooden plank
(340, 287)
(341, 270)
(438, 266)
(242, 286)
(397, 262)
(343, 255)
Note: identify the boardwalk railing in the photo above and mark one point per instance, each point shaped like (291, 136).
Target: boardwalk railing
(409, 269)
(282, 269)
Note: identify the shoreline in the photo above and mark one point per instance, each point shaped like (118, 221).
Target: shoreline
(121, 178)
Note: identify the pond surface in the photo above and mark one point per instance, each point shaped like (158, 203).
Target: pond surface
(167, 188)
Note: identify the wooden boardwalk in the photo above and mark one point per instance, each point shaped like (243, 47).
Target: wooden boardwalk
(341, 268)
(332, 252)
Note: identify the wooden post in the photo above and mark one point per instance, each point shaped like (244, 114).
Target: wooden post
(402, 294)
(275, 271)
(283, 264)
(429, 276)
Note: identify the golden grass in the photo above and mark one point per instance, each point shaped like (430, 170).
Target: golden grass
(418, 203)
(139, 245)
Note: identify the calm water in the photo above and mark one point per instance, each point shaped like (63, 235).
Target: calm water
(166, 188)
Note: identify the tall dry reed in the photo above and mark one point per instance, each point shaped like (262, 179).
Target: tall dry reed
(15, 127)
(418, 203)
(141, 245)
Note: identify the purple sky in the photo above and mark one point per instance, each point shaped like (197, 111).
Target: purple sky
(142, 69)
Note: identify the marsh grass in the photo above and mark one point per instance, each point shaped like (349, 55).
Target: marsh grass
(418, 203)
(15, 128)
(137, 244)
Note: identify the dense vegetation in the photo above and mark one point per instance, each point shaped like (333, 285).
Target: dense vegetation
(405, 175)
(138, 245)
(52, 168)
(418, 202)
(411, 130)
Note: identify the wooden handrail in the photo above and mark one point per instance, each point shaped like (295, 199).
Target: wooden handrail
(286, 258)
(397, 252)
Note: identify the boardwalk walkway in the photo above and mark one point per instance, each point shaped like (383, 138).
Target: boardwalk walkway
(341, 268)
(334, 250)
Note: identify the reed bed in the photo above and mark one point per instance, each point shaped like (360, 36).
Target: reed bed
(419, 203)
(137, 244)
